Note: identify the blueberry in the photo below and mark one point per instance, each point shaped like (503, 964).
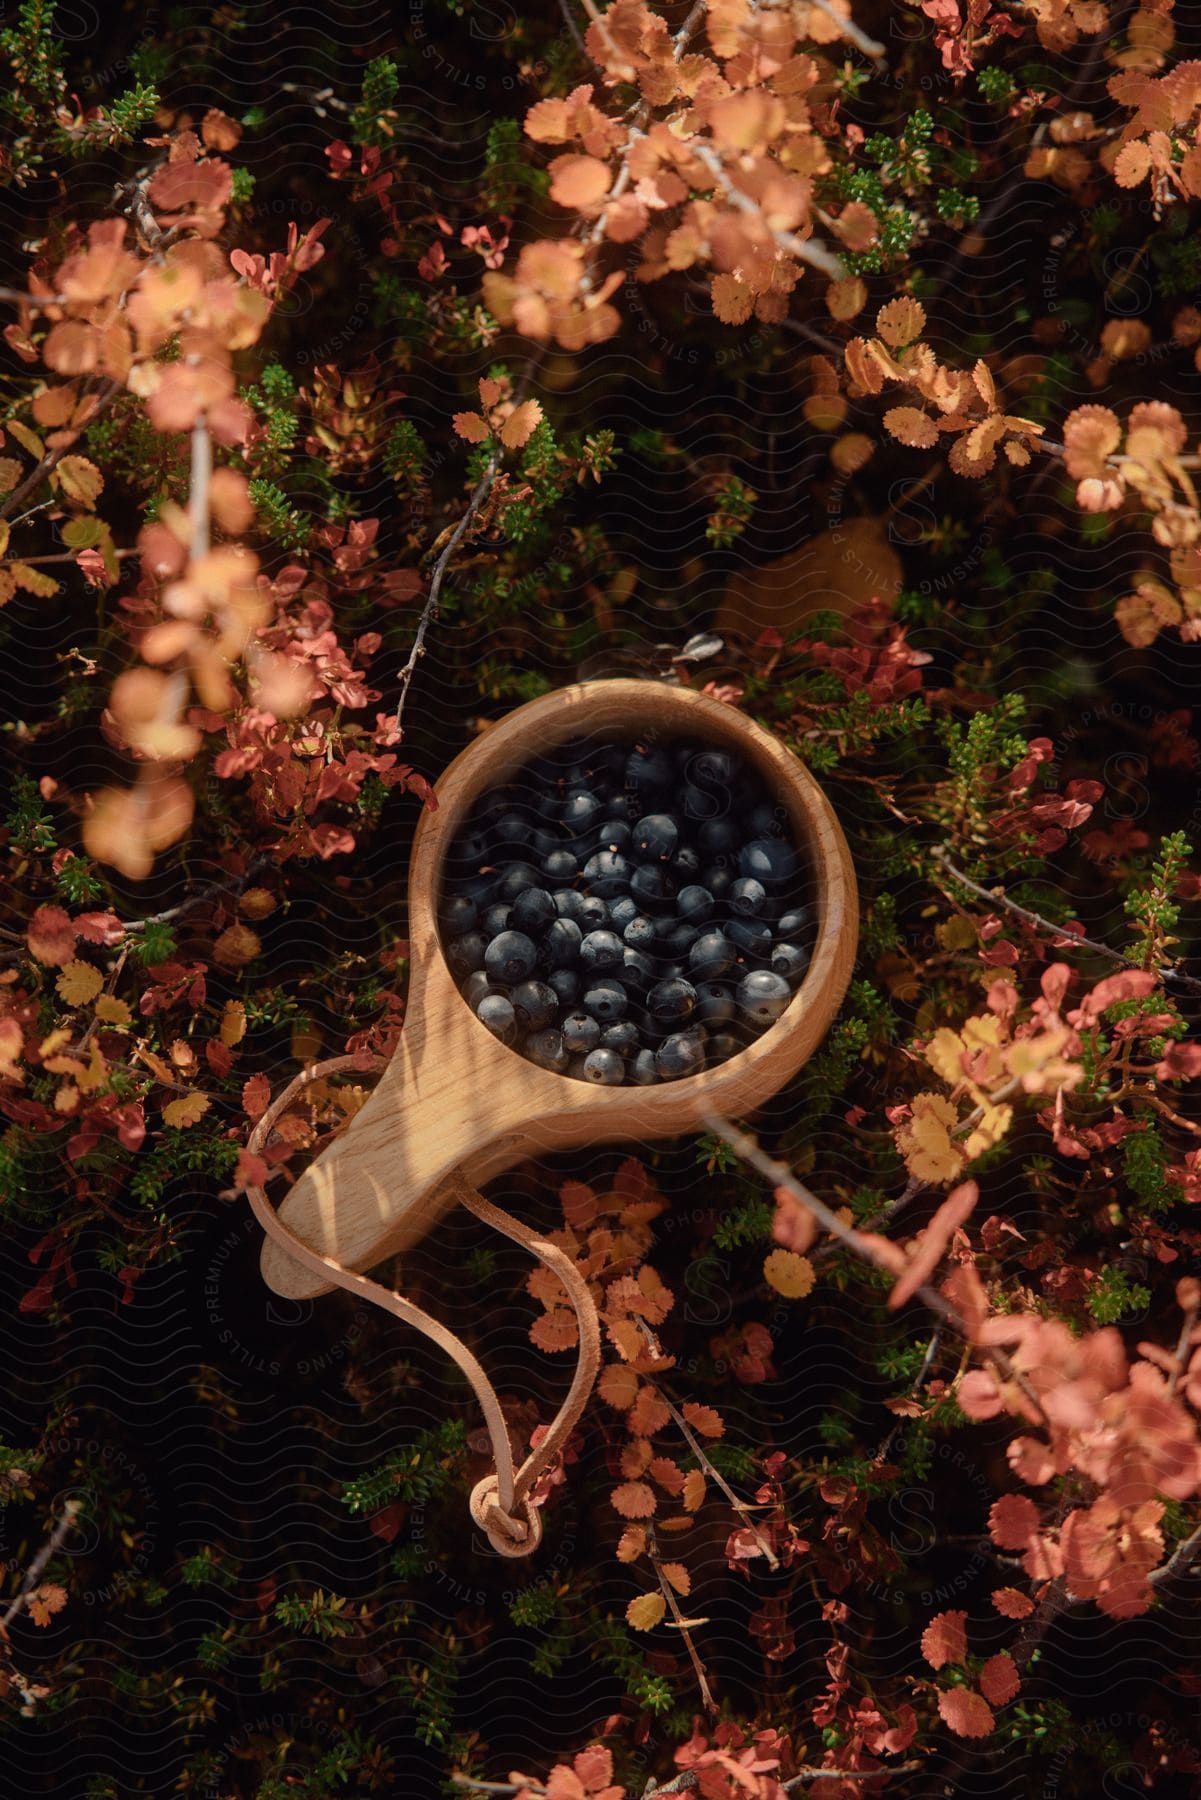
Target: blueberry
(548, 1049)
(651, 886)
(649, 773)
(592, 913)
(606, 1001)
(615, 833)
(681, 1054)
(638, 970)
(748, 897)
(718, 837)
(543, 843)
(642, 1068)
(498, 1015)
(515, 878)
(559, 947)
(767, 820)
(621, 912)
(768, 860)
(470, 847)
(695, 903)
(607, 873)
(459, 915)
(685, 865)
(700, 803)
(656, 836)
(671, 1000)
(567, 902)
(790, 961)
(752, 936)
(581, 809)
(560, 866)
(496, 918)
(722, 1046)
(475, 987)
(711, 955)
(566, 983)
(480, 888)
(640, 933)
(763, 995)
(622, 1037)
(467, 952)
(510, 957)
(797, 923)
(714, 766)
(533, 911)
(511, 832)
(714, 1003)
(678, 941)
(719, 881)
(601, 950)
(535, 1004)
(604, 1067)
(581, 1032)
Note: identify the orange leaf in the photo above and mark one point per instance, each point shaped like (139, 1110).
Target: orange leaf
(469, 425)
(520, 425)
(256, 1096)
(578, 180)
(634, 1500)
(704, 1419)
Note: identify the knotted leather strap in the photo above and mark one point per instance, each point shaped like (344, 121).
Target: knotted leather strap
(500, 1503)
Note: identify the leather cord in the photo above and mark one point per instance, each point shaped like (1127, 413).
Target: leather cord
(500, 1503)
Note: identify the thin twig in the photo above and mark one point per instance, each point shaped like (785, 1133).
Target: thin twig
(53, 457)
(1063, 939)
(851, 32)
(809, 250)
(429, 611)
(33, 1573)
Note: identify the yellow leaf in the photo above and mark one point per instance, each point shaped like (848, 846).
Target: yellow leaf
(789, 1273)
(111, 1011)
(925, 1142)
(233, 1023)
(34, 581)
(10, 474)
(186, 1110)
(95, 1076)
(990, 1130)
(80, 480)
(78, 983)
(28, 440)
(846, 298)
(910, 425)
(645, 1612)
(631, 1543)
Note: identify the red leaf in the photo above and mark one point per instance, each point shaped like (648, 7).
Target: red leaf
(999, 1679)
(945, 1639)
(1013, 1521)
(968, 1714)
(1011, 1603)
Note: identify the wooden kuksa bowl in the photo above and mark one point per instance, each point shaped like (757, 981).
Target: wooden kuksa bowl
(453, 1096)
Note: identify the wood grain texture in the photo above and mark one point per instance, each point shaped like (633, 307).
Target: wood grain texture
(454, 1097)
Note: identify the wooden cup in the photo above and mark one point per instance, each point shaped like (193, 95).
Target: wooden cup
(454, 1097)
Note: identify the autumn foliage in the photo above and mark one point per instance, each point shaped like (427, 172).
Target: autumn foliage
(841, 361)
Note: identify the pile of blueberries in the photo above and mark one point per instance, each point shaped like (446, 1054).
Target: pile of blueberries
(628, 913)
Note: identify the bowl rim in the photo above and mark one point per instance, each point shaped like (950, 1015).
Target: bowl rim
(504, 748)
